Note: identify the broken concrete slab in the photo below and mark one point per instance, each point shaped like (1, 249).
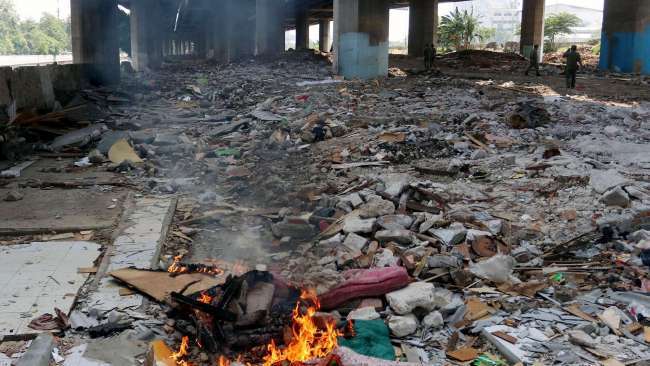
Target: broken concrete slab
(395, 183)
(616, 196)
(376, 207)
(401, 326)
(390, 222)
(415, 295)
(355, 242)
(39, 352)
(293, 227)
(137, 245)
(353, 224)
(129, 346)
(433, 320)
(365, 313)
(80, 137)
(68, 210)
(450, 236)
(16, 171)
(400, 236)
(603, 180)
(37, 277)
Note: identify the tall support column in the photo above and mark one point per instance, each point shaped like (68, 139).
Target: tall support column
(423, 19)
(302, 29)
(532, 27)
(270, 27)
(361, 38)
(146, 30)
(324, 35)
(625, 41)
(241, 28)
(95, 39)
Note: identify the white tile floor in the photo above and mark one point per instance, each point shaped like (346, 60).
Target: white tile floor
(37, 277)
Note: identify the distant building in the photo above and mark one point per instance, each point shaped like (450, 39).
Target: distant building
(502, 15)
(505, 17)
(592, 22)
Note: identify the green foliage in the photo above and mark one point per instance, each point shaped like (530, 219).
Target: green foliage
(596, 49)
(485, 33)
(48, 36)
(458, 29)
(558, 24)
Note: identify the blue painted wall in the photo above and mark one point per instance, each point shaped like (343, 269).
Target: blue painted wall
(626, 51)
(358, 59)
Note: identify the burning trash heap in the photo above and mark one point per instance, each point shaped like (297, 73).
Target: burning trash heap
(255, 318)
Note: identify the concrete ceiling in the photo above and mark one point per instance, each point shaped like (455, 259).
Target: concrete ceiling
(192, 14)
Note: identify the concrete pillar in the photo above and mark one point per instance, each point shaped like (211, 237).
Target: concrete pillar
(95, 39)
(146, 35)
(324, 35)
(240, 19)
(423, 15)
(361, 38)
(532, 27)
(302, 29)
(625, 41)
(270, 27)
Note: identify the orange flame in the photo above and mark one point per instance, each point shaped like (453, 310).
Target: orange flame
(178, 267)
(205, 298)
(223, 361)
(308, 342)
(182, 352)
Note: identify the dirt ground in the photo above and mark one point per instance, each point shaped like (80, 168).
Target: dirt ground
(589, 85)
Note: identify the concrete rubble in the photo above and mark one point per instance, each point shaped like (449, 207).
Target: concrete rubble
(466, 217)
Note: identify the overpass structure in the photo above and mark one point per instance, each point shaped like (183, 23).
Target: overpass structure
(226, 30)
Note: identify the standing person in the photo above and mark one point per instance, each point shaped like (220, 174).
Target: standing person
(428, 51)
(434, 52)
(534, 60)
(573, 59)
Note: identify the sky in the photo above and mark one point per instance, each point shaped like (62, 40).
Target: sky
(33, 9)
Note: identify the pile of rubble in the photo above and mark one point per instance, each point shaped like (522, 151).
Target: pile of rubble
(483, 59)
(589, 58)
(438, 220)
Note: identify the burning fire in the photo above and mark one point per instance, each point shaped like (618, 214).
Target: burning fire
(308, 342)
(182, 352)
(205, 298)
(178, 267)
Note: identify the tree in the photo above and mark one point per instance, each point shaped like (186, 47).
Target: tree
(55, 29)
(559, 24)
(8, 27)
(49, 35)
(486, 33)
(459, 29)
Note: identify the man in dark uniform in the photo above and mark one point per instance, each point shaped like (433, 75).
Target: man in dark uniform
(433, 54)
(428, 51)
(534, 60)
(573, 59)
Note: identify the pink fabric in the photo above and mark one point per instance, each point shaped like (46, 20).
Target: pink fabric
(365, 283)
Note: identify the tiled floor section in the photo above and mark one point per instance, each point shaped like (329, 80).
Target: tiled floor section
(137, 246)
(37, 277)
